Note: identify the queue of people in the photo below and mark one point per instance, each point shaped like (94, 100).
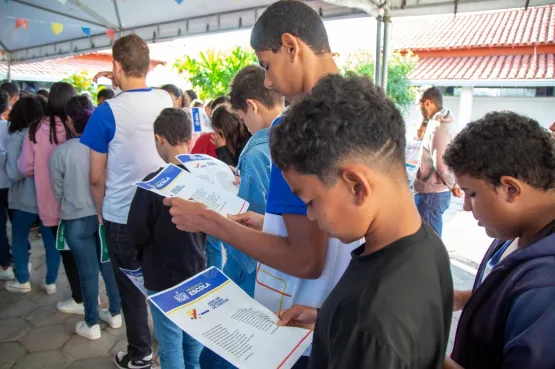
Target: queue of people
(335, 239)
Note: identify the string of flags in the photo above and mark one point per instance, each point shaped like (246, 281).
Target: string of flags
(57, 28)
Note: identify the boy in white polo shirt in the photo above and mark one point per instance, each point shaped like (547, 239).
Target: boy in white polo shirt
(298, 262)
(119, 134)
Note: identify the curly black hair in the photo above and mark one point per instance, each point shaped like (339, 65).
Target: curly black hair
(174, 125)
(504, 144)
(344, 117)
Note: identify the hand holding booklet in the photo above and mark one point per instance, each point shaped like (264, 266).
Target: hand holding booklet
(220, 315)
(173, 181)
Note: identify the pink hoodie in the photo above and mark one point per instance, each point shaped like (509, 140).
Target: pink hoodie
(35, 161)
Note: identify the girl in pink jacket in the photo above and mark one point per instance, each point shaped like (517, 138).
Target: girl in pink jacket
(37, 150)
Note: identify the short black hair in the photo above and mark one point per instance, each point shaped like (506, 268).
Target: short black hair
(504, 144)
(248, 83)
(294, 17)
(42, 92)
(432, 93)
(4, 101)
(27, 111)
(79, 109)
(217, 102)
(106, 93)
(343, 117)
(11, 88)
(174, 125)
(192, 95)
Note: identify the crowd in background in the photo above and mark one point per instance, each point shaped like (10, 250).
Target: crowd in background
(336, 239)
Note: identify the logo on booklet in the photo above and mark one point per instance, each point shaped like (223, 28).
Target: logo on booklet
(192, 314)
(180, 296)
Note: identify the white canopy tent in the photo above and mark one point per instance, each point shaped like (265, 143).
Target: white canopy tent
(86, 22)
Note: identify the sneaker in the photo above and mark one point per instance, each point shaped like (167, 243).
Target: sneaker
(123, 362)
(114, 321)
(50, 289)
(15, 286)
(70, 307)
(83, 330)
(6, 274)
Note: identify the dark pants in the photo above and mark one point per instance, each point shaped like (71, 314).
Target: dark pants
(133, 304)
(5, 256)
(211, 360)
(72, 273)
(431, 207)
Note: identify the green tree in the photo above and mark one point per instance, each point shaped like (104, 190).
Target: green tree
(212, 71)
(83, 82)
(399, 67)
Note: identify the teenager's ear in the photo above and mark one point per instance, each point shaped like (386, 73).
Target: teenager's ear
(291, 44)
(251, 104)
(357, 183)
(512, 188)
(159, 139)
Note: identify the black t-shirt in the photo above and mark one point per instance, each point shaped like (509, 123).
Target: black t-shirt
(391, 309)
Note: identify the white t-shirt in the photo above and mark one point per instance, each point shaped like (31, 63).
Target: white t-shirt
(123, 128)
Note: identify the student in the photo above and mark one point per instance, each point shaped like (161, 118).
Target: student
(434, 182)
(298, 261)
(6, 271)
(119, 135)
(176, 95)
(204, 144)
(168, 256)
(190, 96)
(207, 108)
(231, 135)
(104, 94)
(392, 307)
(12, 90)
(508, 317)
(44, 93)
(197, 104)
(69, 168)
(38, 147)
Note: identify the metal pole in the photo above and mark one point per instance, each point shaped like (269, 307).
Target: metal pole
(378, 56)
(386, 37)
(9, 67)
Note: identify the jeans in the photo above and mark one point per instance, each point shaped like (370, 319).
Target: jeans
(22, 223)
(238, 275)
(177, 350)
(82, 238)
(431, 207)
(213, 252)
(123, 254)
(70, 268)
(5, 256)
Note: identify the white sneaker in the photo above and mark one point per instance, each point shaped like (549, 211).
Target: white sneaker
(50, 289)
(113, 321)
(70, 307)
(15, 286)
(83, 330)
(6, 274)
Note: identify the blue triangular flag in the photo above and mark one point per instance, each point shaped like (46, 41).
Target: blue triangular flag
(86, 30)
(179, 1)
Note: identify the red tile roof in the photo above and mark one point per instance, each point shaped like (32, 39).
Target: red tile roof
(511, 67)
(516, 27)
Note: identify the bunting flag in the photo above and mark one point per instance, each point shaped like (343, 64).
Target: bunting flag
(22, 23)
(111, 33)
(179, 1)
(57, 28)
(86, 31)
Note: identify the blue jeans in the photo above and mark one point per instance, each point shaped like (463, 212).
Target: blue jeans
(21, 225)
(213, 252)
(431, 207)
(176, 348)
(82, 238)
(4, 245)
(238, 275)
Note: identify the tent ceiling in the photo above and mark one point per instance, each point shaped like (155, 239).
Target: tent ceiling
(157, 20)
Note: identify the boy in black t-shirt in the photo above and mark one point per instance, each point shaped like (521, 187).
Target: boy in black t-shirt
(168, 256)
(341, 149)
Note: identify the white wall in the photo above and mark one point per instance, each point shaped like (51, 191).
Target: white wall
(541, 109)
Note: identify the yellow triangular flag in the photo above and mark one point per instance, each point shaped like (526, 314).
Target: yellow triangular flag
(57, 28)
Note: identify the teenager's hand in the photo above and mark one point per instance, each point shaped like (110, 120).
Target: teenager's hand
(218, 140)
(552, 128)
(450, 364)
(106, 74)
(249, 219)
(460, 299)
(298, 316)
(237, 174)
(188, 216)
(456, 191)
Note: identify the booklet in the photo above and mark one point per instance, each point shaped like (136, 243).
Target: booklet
(220, 315)
(61, 243)
(212, 170)
(201, 121)
(173, 181)
(136, 277)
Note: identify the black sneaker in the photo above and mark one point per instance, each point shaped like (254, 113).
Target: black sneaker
(123, 362)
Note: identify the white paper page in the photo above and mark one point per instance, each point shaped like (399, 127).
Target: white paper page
(217, 313)
(136, 277)
(213, 170)
(173, 181)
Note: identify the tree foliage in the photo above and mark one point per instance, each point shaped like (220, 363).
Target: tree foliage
(83, 82)
(212, 71)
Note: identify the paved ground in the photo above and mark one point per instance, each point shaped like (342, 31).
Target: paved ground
(33, 335)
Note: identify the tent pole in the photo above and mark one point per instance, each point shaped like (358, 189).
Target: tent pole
(378, 55)
(9, 67)
(386, 39)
